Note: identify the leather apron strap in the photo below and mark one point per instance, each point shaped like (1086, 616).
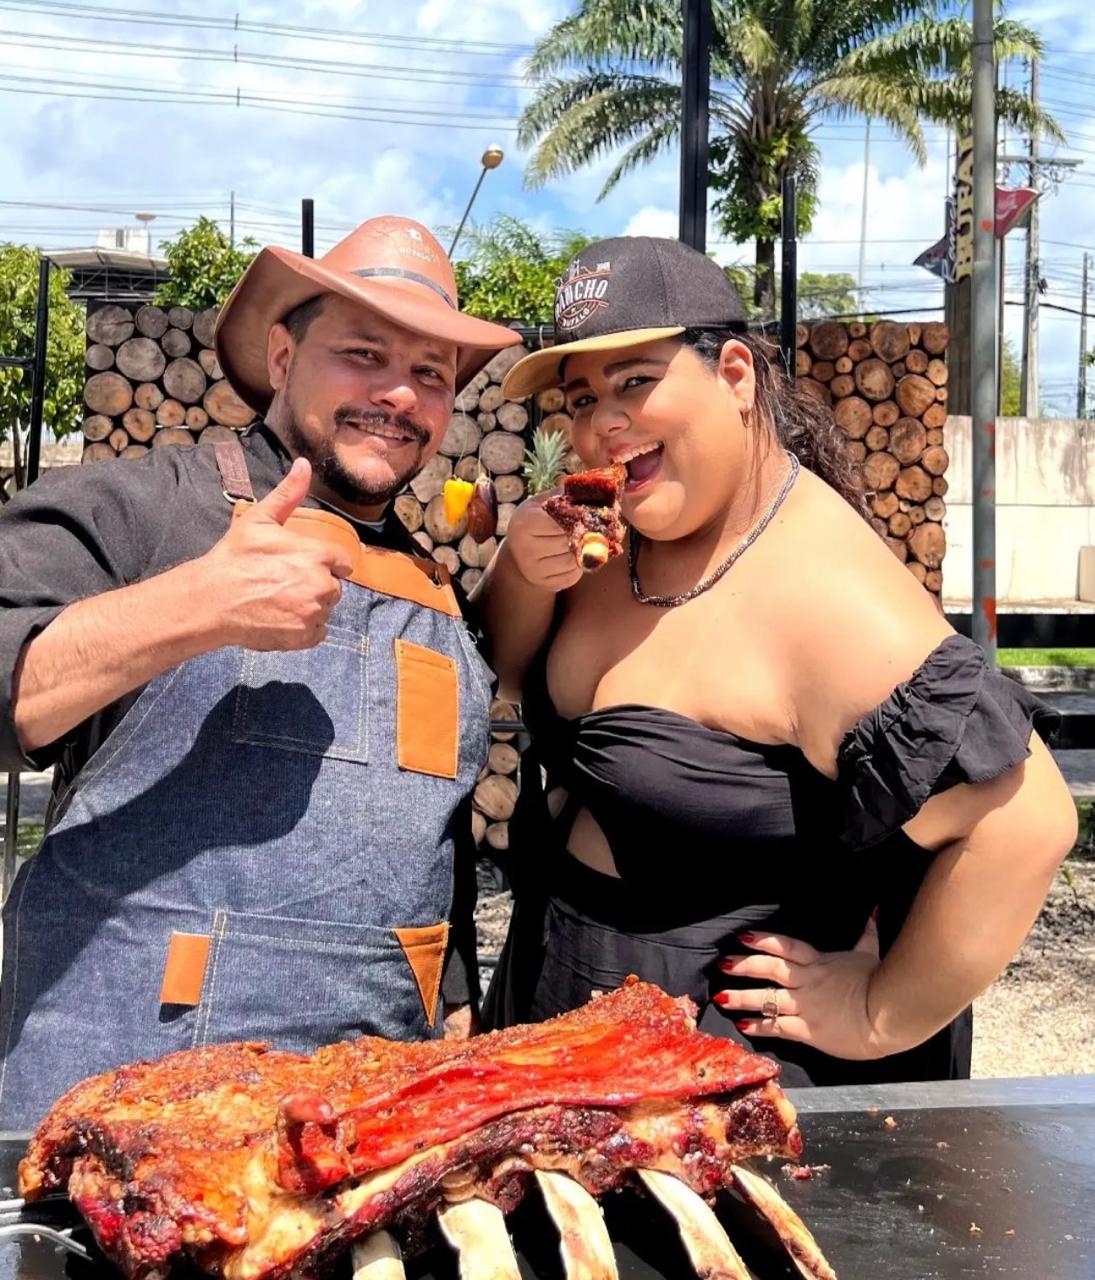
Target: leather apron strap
(232, 464)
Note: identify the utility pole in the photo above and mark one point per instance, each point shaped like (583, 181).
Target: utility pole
(232, 219)
(695, 93)
(983, 332)
(1081, 386)
(1028, 387)
(860, 281)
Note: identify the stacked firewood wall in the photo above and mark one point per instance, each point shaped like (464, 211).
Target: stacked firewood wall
(887, 386)
(153, 380)
(487, 435)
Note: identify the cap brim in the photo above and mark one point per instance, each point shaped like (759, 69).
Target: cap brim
(540, 370)
(279, 280)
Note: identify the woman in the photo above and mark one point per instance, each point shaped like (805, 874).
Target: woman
(770, 761)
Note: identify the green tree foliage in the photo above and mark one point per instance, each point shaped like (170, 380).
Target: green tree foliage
(608, 82)
(64, 349)
(823, 294)
(1009, 390)
(204, 266)
(820, 293)
(509, 270)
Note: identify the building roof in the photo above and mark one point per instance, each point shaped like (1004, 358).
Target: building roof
(111, 275)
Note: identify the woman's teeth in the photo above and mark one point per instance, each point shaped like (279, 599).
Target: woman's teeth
(643, 463)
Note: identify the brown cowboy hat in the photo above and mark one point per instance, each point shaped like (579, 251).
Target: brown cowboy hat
(390, 265)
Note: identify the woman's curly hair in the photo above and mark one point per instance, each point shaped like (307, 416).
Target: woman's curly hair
(800, 423)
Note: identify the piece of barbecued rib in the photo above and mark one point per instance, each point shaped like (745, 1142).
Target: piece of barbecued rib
(253, 1164)
(588, 510)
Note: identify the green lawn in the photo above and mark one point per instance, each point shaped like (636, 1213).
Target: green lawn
(1046, 657)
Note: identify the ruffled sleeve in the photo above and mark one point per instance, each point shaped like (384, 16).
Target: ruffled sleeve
(954, 720)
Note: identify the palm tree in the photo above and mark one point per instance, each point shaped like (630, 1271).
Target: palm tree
(608, 77)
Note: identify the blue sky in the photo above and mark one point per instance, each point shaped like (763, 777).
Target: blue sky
(65, 139)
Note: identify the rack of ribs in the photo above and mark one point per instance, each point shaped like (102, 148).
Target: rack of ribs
(254, 1164)
(588, 510)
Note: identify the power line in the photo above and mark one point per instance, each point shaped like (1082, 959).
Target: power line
(190, 53)
(436, 44)
(104, 92)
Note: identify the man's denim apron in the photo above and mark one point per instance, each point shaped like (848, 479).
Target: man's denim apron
(292, 812)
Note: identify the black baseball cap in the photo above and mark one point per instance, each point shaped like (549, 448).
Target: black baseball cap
(624, 292)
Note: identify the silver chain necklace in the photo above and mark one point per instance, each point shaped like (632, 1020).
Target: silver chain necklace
(705, 584)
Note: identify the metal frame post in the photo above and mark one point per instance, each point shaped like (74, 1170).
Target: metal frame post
(38, 376)
(983, 332)
(788, 310)
(695, 90)
(1081, 382)
(34, 456)
(308, 228)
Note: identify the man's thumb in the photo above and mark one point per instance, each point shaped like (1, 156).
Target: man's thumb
(280, 503)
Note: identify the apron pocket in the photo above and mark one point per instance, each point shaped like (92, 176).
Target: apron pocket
(304, 983)
(310, 700)
(427, 710)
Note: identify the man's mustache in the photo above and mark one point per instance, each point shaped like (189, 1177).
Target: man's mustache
(350, 417)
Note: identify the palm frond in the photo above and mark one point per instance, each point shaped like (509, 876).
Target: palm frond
(647, 148)
(878, 98)
(555, 97)
(595, 125)
(619, 31)
(932, 46)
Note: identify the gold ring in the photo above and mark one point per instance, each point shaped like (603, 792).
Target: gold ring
(770, 1007)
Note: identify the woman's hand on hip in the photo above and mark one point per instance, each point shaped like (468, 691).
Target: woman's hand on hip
(816, 997)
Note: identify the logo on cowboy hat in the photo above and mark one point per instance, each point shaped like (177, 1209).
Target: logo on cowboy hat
(581, 293)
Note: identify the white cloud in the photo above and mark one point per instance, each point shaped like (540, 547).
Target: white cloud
(652, 221)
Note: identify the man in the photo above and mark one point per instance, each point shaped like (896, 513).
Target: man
(266, 716)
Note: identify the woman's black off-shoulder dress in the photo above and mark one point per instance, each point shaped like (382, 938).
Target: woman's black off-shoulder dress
(713, 835)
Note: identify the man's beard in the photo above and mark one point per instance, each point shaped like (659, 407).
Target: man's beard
(329, 468)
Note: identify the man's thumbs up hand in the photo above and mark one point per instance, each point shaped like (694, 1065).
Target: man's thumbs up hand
(274, 588)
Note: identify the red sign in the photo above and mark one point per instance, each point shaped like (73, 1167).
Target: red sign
(1012, 207)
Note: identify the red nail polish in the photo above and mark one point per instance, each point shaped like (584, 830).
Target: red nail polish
(721, 998)
(874, 915)
(727, 966)
(742, 1026)
(748, 938)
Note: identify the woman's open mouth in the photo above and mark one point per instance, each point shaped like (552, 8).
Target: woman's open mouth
(642, 463)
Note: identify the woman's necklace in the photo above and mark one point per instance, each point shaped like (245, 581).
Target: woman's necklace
(671, 602)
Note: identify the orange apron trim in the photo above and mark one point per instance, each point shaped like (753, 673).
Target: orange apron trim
(391, 573)
(425, 951)
(427, 710)
(184, 972)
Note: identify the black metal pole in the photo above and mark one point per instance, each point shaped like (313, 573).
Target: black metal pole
(38, 376)
(788, 310)
(695, 88)
(308, 228)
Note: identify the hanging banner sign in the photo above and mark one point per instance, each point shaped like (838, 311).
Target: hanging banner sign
(951, 257)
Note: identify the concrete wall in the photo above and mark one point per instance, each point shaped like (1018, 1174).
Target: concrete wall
(1045, 507)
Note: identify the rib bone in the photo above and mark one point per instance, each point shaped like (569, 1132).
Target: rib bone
(583, 1238)
(790, 1228)
(709, 1249)
(378, 1257)
(476, 1229)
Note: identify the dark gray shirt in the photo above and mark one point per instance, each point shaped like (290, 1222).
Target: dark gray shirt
(80, 531)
